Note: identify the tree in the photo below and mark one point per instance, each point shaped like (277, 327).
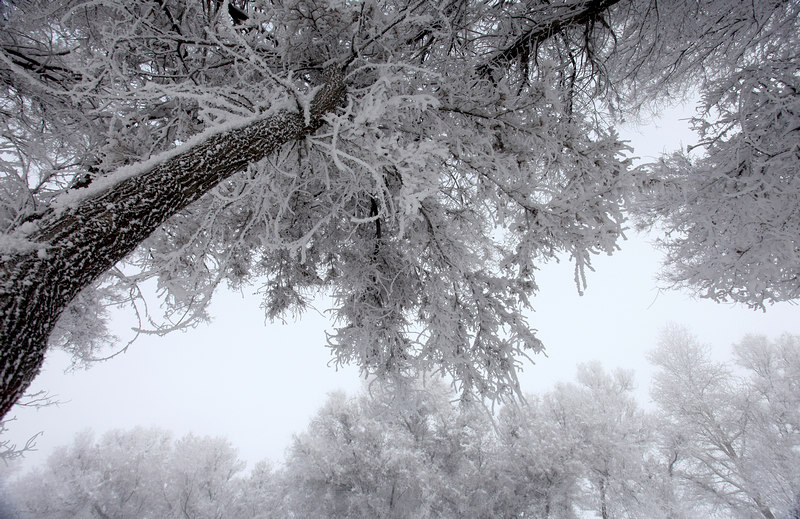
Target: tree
(733, 439)
(414, 159)
(136, 473)
(376, 455)
(263, 495)
(584, 447)
(540, 470)
(773, 382)
(614, 436)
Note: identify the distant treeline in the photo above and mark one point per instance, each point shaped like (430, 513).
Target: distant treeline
(723, 440)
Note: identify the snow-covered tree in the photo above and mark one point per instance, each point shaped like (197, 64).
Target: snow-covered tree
(136, 473)
(615, 437)
(114, 477)
(732, 437)
(539, 469)
(414, 159)
(262, 495)
(584, 447)
(390, 453)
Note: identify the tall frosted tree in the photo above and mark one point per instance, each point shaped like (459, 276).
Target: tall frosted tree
(584, 448)
(399, 452)
(732, 436)
(414, 160)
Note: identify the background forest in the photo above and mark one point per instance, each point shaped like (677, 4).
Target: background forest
(722, 439)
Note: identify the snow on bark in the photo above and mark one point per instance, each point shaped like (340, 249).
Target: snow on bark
(74, 245)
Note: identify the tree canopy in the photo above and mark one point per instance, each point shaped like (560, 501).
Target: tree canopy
(414, 160)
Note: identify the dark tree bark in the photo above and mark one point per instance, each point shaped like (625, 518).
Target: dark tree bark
(72, 248)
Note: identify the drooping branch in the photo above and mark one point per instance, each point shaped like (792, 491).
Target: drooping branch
(69, 248)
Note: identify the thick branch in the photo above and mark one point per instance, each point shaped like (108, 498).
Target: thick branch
(567, 15)
(74, 246)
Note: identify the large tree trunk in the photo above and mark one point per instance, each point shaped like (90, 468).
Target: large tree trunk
(73, 246)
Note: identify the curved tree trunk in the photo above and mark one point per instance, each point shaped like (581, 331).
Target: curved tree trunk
(72, 247)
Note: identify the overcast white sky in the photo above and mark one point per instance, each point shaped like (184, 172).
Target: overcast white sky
(258, 384)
